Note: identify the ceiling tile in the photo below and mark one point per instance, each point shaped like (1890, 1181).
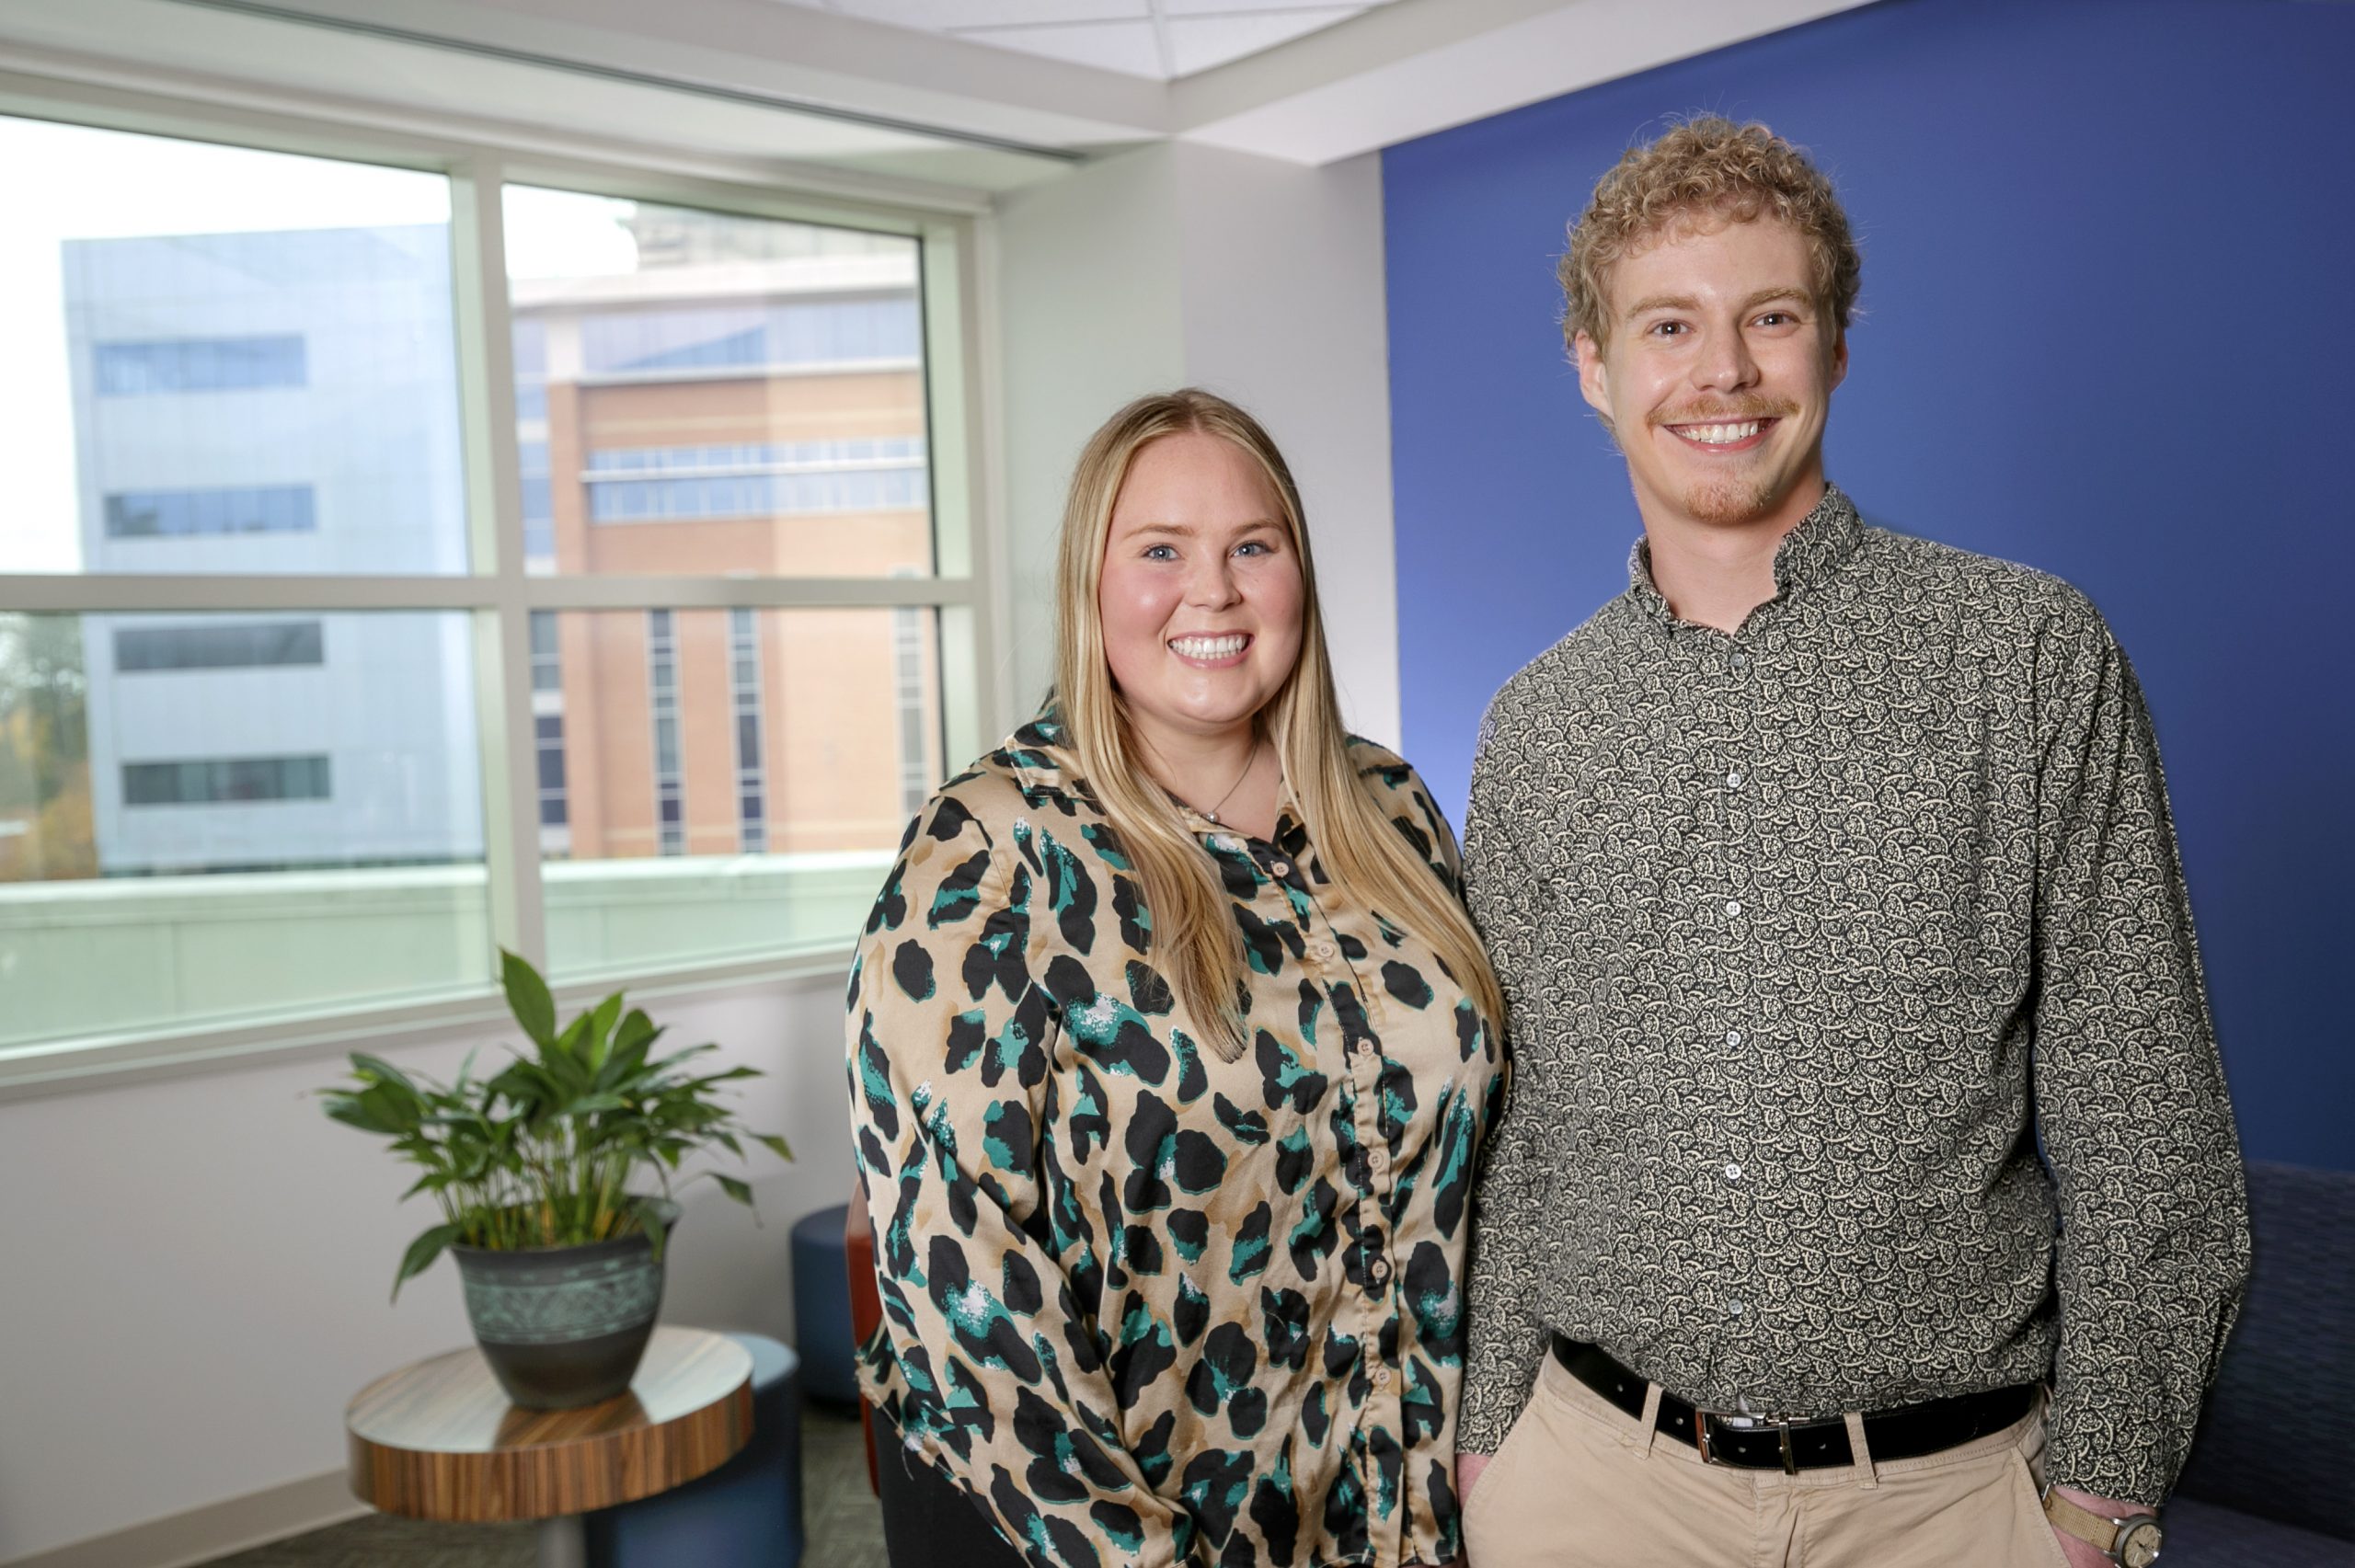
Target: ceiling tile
(951, 16)
(1108, 46)
(1250, 7)
(1197, 43)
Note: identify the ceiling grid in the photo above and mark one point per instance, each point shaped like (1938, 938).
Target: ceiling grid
(1162, 39)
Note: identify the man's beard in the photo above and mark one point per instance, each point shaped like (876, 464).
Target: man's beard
(1729, 502)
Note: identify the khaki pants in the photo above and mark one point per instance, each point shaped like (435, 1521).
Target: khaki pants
(1581, 1483)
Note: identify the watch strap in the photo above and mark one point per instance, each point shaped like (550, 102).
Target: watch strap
(2092, 1528)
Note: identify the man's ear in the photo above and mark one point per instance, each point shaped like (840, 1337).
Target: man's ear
(1840, 360)
(1594, 379)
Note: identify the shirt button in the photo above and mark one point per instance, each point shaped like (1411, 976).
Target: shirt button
(1733, 1309)
(1733, 1036)
(1733, 1173)
(1376, 1159)
(1365, 1048)
(1382, 1376)
(1733, 905)
(1379, 1272)
(1733, 780)
(1320, 950)
(1741, 661)
(1281, 868)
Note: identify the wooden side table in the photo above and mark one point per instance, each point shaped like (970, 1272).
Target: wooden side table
(440, 1440)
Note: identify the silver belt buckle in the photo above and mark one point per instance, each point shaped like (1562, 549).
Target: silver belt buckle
(1782, 1429)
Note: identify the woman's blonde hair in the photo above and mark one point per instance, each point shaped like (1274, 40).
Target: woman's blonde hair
(1199, 949)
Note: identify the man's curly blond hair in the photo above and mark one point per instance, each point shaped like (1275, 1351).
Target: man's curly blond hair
(1711, 169)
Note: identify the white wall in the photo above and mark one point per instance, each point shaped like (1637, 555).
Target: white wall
(193, 1272)
(1179, 264)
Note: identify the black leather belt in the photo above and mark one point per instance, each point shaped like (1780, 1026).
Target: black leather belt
(1904, 1432)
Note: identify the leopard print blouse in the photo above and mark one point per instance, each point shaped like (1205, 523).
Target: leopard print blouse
(1144, 1305)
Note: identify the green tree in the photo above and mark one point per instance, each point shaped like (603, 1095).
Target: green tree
(45, 817)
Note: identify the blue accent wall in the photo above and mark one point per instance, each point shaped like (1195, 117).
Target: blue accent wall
(2108, 330)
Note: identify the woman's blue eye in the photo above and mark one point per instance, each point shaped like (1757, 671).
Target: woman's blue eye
(1160, 553)
(1257, 545)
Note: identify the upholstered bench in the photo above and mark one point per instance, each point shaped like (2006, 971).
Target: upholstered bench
(2270, 1483)
(746, 1514)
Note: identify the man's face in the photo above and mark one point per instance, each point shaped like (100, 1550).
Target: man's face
(1719, 373)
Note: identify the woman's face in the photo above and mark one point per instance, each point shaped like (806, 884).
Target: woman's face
(1201, 596)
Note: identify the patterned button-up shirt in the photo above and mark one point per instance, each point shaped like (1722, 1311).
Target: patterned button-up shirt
(1806, 934)
(1149, 1306)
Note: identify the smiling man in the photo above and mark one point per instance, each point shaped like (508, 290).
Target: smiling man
(1827, 872)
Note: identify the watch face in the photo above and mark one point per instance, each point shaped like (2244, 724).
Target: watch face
(2138, 1544)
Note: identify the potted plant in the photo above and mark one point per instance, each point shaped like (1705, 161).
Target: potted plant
(532, 1168)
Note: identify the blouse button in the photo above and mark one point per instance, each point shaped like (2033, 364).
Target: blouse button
(1281, 868)
(1320, 950)
(1379, 1272)
(1382, 1376)
(1376, 1159)
(1365, 1048)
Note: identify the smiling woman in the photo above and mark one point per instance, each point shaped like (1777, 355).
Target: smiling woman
(1169, 1035)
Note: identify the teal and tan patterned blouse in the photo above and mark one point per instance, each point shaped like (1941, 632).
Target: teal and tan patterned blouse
(1148, 1306)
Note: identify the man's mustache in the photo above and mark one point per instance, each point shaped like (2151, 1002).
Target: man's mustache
(1725, 413)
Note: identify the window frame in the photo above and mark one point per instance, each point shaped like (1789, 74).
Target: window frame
(966, 590)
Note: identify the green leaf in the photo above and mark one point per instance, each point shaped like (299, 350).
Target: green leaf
(421, 1253)
(600, 1030)
(774, 1143)
(741, 1192)
(528, 999)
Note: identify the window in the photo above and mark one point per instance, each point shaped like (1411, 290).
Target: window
(236, 646)
(757, 495)
(149, 514)
(225, 780)
(199, 364)
(745, 691)
(230, 365)
(753, 336)
(662, 682)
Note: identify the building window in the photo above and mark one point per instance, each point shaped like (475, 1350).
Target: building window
(548, 732)
(899, 488)
(548, 672)
(267, 509)
(539, 501)
(223, 781)
(662, 682)
(765, 336)
(236, 646)
(908, 674)
(744, 689)
(200, 364)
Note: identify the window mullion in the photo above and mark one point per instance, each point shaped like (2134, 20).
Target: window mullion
(495, 548)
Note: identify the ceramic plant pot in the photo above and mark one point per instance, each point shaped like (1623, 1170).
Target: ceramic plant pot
(563, 1327)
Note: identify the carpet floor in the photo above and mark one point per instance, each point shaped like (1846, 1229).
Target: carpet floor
(838, 1513)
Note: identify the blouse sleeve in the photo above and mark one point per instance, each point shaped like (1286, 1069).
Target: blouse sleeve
(1004, 1383)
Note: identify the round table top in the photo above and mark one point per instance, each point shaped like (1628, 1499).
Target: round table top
(441, 1440)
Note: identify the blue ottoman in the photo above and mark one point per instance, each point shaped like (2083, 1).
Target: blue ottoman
(746, 1514)
(821, 1305)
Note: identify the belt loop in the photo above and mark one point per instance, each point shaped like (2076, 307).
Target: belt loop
(1650, 1420)
(1867, 1476)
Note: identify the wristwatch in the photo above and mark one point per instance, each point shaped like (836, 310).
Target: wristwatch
(2131, 1541)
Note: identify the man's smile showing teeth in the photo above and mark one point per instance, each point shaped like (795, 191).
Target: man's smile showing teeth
(1720, 435)
(1209, 650)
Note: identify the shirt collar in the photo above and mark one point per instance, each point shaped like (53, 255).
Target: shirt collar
(1037, 751)
(1807, 557)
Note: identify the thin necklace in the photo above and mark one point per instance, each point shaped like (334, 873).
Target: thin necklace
(1248, 763)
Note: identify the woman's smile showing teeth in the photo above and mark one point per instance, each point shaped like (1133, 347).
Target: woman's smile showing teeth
(1224, 648)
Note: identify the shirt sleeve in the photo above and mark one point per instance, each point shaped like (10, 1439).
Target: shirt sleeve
(1505, 1330)
(2130, 1091)
(1005, 1386)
